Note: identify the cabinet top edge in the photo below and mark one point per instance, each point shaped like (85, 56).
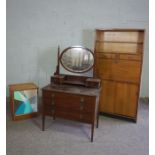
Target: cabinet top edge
(119, 29)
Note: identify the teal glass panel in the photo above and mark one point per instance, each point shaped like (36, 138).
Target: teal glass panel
(25, 102)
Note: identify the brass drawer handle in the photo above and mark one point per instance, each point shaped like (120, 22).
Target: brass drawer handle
(81, 103)
(81, 99)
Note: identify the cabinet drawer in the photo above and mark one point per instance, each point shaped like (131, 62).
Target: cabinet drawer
(121, 70)
(74, 110)
(75, 116)
(76, 102)
(70, 101)
(49, 94)
(47, 101)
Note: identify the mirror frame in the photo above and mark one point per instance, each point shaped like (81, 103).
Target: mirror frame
(71, 47)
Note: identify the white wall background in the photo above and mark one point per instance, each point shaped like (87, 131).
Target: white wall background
(36, 27)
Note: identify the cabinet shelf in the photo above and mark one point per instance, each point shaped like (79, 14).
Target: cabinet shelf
(119, 46)
(127, 42)
(117, 52)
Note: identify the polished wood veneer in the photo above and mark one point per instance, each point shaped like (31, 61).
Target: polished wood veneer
(77, 103)
(118, 63)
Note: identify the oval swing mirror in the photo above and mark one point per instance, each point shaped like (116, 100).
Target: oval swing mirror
(77, 59)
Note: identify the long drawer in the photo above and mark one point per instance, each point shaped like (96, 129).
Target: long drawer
(87, 118)
(69, 102)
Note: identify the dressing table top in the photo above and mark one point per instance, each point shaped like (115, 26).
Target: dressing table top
(73, 89)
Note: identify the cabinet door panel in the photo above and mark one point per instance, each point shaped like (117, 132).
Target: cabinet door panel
(107, 97)
(126, 99)
(119, 70)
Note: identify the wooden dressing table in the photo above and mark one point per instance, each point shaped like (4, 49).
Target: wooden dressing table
(72, 97)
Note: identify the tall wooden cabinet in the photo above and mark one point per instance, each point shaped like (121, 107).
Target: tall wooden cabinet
(119, 55)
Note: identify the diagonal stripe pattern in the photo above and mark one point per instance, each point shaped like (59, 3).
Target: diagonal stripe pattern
(28, 101)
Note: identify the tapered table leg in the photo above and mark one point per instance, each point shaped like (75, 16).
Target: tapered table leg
(97, 122)
(54, 115)
(92, 132)
(43, 122)
(97, 119)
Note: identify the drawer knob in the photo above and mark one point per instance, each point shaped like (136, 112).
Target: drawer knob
(81, 99)
(81, 103)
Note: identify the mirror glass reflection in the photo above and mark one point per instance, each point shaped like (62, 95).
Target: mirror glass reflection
(77, 59)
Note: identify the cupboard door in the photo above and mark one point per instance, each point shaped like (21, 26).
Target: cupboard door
(126, 99)
(107, 97)
(119, 70)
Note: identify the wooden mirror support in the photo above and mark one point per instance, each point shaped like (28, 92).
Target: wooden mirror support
(84, 58)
